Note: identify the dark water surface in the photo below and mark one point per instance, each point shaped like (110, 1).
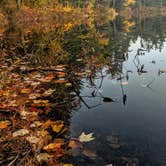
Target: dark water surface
(139, 124)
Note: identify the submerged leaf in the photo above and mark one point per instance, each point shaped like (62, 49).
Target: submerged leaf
(73, 143)
(89, 154)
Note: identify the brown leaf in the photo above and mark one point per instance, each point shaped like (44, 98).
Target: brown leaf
(73, 143)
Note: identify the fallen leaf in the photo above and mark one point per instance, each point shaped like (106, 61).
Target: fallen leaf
(60, 81)
(48, 78)
(68, 84)
(61, 74)
(33, 139)
(67, 164)
(86, 137)
(40, 101)
(4, 124)
(2, 105)
(57, 126)
(34, 95)
(48, 92)
(20, 132)
(26, 90)
(54, 146)
(43, 157)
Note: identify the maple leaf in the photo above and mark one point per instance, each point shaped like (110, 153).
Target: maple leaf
(86, 137)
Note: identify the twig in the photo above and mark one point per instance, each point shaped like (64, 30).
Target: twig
(11, 163)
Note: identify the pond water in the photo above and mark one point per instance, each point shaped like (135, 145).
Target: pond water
(93, 89)
(138, 122)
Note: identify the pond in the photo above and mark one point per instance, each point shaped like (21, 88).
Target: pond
(130, 131)
(89, 92)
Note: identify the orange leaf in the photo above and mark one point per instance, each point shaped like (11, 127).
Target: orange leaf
(61, 74)
(54, 146)
(4, 124)
(26, 90)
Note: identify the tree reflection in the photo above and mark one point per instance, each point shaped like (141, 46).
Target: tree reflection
(46, 63)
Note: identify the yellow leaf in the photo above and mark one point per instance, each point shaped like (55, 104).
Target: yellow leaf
(57, 126)
(103, 41)
(67, 164)
(68, 84)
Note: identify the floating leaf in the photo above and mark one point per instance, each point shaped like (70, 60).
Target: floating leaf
(86, 137)
(4, 124)
(57, 126)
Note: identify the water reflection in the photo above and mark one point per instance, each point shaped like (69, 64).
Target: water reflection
(93, 75)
